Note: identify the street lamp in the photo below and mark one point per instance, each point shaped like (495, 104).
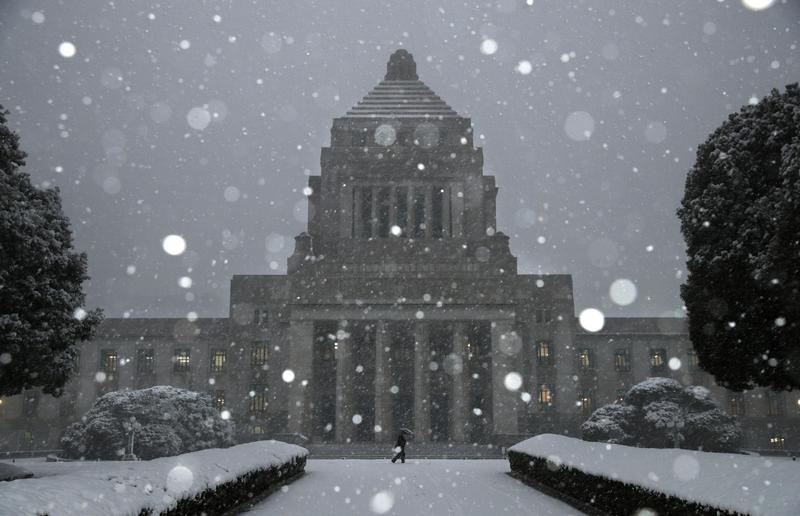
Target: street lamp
(131, 427)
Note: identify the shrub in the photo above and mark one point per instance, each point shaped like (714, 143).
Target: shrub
(660, 413)
(166, 421)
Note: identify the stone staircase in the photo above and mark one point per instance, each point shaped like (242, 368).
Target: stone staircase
(414, 450)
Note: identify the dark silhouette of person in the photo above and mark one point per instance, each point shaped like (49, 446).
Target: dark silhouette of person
(401, 443)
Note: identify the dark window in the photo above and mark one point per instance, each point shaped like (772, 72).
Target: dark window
(586, 402)
(586, 359)
(145, 361)
(218, 359)
(544, 353)
(219, 399)
(383, 212)
(261, 317)
(775, 405)
(658, 359)
(546, 397)
(66, 407)
(366, 212)
(109, 361)
(620, 395)
(258, 399)
(182, 361)
(30, 402)
(260, 355)
(419, 213)
(437, 208)
(360, 138)
(736, 404)
(544, 316)
(622, 360)
(402, 209)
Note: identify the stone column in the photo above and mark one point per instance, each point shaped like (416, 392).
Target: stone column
(447, 213)
(459, 408)
(383, 382)
(422, 408)
(344, 389)
(347, 211)
(504, 401)
(357, 222)
(373, 221)
(428, 210)
(301, 340)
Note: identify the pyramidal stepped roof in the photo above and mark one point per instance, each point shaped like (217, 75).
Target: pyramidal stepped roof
(401, 94)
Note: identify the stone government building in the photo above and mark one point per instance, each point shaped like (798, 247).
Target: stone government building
(402, 307)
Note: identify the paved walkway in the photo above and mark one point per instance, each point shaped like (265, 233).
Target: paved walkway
(418, 487)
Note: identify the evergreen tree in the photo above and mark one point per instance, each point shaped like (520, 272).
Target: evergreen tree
(740, 216)
(41, 296)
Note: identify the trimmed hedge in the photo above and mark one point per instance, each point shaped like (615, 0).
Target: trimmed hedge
(603, 494)
(221, 499)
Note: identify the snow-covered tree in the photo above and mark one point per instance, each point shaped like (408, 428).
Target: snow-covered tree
(165, 421)
(661, 413)
(41, 280)
(740, 216)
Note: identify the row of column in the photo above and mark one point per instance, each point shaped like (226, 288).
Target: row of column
(504, 402)
(411, 220)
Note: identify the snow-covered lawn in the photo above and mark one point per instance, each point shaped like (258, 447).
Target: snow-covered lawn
(462, 487)
(747, 484)
(124, 488)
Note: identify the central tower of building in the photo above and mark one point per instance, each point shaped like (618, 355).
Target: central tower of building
(402, 306)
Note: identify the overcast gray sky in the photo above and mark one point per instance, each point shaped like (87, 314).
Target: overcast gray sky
(647, 79)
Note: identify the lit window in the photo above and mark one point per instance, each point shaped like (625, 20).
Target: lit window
(736, 404)
(545, 398)
(182, 361)
(622, 360)
(543, 353)
(776, 442)
(258, 430)
(260, 355)
(219, 400)
(145, 361)
(658, 358)
(109, 361)
(586, 402)
(258, 399)
(586, 359)
(218, 359)
(694, 360)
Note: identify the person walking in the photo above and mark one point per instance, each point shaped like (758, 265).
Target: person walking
(400, 447)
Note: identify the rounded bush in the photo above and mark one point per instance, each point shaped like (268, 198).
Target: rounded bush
(165, 420)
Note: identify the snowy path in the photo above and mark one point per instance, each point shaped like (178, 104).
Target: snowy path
(458, 487)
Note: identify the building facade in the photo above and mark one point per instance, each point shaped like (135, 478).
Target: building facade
(401, 307)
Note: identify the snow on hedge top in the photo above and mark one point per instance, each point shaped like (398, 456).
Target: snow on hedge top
(125, 488)
(743, 483)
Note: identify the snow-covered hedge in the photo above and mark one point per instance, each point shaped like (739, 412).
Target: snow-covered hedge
(658, 412)
(166, 421)
(208, 481)
(622, 480)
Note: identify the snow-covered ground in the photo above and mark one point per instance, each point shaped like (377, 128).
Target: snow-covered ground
(106, 488)
(462, 487)
(747, 484)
